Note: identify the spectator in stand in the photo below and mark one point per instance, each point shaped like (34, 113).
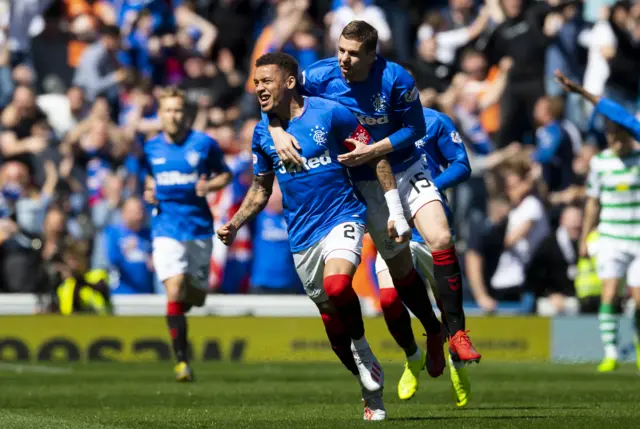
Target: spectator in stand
(25, 21)
(100, 71)
(358, 10)
(273, 270)
(553, 147)
(552, 270)
(64, 111)
(483, 253)
(129, 251)
(105, 212)
(527, 227)
(566, 54)
(523, 36)
(624, 60)
(24, 128)
(450, 40)
(26, 205)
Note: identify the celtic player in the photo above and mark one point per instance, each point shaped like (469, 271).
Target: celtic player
(614, 204)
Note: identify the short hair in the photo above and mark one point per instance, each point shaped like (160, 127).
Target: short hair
(171, 92)
(362, 32)
(283, 61)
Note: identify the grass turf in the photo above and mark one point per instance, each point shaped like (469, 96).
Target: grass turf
(282, 396)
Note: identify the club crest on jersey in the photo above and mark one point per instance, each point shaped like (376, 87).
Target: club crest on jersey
(455, 137)
(193, 158)
(379, 102)
(319, 135)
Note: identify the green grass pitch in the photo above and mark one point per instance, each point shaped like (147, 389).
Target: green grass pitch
(282, 396)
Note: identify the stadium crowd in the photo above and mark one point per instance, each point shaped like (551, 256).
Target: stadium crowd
(77, 84)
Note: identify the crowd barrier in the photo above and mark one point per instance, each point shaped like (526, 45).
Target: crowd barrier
(272, 328)
(248, 339)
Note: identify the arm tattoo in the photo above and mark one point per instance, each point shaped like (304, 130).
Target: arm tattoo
(255, 201)
(384, 173)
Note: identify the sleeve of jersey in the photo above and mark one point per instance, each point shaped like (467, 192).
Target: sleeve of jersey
(309, 82)
(593, 180)
(548, 143)
(407, 111)
(616, 113)
(215, 158)
(451, 145)
(261, 163)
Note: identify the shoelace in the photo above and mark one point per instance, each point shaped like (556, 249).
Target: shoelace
(464, 339)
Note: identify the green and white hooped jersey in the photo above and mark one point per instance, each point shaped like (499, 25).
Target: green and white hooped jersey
(615, 182)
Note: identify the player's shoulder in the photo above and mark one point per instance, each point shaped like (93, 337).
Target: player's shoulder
(200, 136)
(154, 143)
(319, 103)
(393, 72)
(321, 71)
(437, 119)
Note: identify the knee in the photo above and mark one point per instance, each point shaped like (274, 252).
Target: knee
(441, 239)
(339, 289)
(175, 288)
(391, 303)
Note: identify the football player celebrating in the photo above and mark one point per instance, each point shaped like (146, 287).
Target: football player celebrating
(184, 166)
(443, 151)
(384, 98)
(325, 219)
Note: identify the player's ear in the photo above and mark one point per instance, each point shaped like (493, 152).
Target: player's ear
(292, 81)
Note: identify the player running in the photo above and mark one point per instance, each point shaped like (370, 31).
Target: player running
(181, 163)
(444, 153)
(613, 204)
(384, 98)
(325, 219)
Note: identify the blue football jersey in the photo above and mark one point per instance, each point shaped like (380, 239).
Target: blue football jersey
(444, 153)
(387, 104)
(176, 167)
(318, 195)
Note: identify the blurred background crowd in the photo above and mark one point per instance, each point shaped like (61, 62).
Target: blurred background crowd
(77, 84)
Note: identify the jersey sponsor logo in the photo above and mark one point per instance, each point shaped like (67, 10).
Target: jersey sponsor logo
(172, 178)
(411, 96)
(319, 135)
(307, 164)
(455, 137)
(193, 158)
(369, 120)
(158, 161)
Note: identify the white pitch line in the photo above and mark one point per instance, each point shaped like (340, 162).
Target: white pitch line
(34, 368)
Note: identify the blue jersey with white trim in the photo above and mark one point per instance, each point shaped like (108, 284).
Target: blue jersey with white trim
(176, 167)
(445, 155)
(387, 104)
(318, 195)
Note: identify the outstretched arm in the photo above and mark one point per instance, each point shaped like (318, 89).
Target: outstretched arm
(255, 201)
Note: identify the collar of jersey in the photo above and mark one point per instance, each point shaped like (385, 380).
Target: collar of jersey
(304, 109)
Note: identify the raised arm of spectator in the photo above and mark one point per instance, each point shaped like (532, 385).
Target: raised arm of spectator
(209, 33)
(608, 108)
(495, 91)
(88, 75)
(288, 16)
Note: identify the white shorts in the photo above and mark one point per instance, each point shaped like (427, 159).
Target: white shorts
(422, 260)
(343, 242)
(615, 263)
(172, 258)
(416, 190)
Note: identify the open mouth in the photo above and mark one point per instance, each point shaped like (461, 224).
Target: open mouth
(264, 99)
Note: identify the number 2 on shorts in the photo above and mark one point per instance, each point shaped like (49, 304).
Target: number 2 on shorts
(349, 231)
